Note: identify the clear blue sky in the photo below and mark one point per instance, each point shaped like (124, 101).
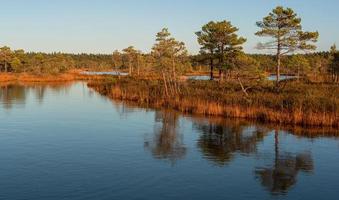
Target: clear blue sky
(101, 26)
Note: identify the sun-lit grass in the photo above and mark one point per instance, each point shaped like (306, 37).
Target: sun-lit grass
(297, 103)
(28, 77)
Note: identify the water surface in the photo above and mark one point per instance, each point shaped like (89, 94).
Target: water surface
(199, 78)
(110, 73)
(282, 77)
(65, 141)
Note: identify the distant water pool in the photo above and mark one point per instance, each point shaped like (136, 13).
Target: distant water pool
(114, 73)
(199, 78)
(271, 77)
(282, 77)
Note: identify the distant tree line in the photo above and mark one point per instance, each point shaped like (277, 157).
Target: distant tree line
(19, 61)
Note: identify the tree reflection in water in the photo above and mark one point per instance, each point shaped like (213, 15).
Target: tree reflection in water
(166, 142)
(17, 94)
(221, 139)
(10, 94)
(279, 178)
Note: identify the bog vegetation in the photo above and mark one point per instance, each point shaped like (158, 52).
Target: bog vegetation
(238, 85)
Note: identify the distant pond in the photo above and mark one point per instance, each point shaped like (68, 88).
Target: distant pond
(194, 77)
(112, 73)
(199, 77)
(273, 77)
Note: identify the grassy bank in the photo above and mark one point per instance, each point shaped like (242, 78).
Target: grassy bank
(297, 104)
(62, 77)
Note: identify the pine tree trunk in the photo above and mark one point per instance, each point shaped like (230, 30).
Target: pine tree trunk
(278, 60)
(221, 63)
(173, 69)
(138, 63)
(130, 68)
(220, 74)
(212, 69)
(278, 66)
(165, 84)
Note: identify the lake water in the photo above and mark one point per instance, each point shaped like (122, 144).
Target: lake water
(65, 141)
(282, 77)
(193, 77)
(112, 73)
(199, 78)
(270, 78)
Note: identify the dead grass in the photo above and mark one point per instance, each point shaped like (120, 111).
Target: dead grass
(309, 105)
(26, 77)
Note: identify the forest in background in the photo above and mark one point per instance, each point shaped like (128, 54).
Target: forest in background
(321, 66)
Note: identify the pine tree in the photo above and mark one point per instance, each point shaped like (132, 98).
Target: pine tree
(334, 63)
(168, 52)
(6, 55)
(170, 56)
(209, 45)
(283, 25)
(220, 39)
(130, 53)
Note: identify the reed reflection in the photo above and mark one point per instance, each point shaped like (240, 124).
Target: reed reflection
(17, 94)
(12, 94)
(166, 142)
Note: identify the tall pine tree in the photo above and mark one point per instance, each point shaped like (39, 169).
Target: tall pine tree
(283, 25)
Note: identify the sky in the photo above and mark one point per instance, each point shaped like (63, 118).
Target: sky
(102, 26)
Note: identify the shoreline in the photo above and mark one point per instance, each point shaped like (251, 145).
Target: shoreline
(63, 77)
(264, 106)
(298, 130)
(291, 107)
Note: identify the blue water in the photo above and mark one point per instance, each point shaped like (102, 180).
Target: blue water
(199, 78)
(282, 77)
(113, 73)
(270, 78)
(65, 141)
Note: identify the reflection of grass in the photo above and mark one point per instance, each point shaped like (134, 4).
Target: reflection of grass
(299, 131)
(296, 104)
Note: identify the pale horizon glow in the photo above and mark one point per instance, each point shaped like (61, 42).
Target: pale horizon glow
(102, 26)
